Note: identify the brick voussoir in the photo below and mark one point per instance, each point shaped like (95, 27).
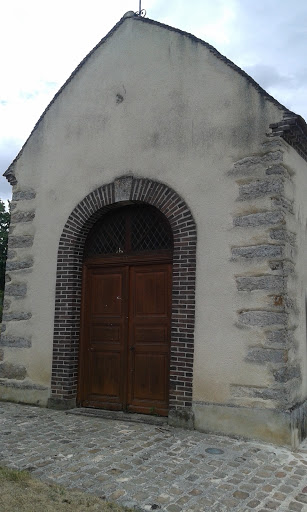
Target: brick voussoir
(68, 293)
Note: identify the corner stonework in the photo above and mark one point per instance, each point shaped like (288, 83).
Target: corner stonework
(264, 257)
(15, 313)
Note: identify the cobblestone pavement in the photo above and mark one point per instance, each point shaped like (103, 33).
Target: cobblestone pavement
(152, 467)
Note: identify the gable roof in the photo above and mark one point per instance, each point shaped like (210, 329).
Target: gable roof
(293, 128)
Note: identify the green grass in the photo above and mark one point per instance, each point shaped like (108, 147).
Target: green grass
(20, 492)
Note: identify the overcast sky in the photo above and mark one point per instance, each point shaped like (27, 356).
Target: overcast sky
(41, 43)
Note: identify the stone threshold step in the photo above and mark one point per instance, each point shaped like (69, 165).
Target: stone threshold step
(119, 416)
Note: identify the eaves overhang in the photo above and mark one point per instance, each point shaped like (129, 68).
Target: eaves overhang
(293, 129)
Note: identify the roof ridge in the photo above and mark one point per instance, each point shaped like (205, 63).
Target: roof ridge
(222, 57)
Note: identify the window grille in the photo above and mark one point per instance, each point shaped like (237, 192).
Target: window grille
(130, 229)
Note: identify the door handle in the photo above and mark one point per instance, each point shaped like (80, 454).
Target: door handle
(132, 348)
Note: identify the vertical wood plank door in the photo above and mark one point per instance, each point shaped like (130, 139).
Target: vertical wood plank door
(125, 338)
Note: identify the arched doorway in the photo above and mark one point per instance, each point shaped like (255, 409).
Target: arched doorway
(124, 356)
(66, 338)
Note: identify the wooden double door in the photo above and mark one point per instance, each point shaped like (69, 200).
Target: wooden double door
(125, 336)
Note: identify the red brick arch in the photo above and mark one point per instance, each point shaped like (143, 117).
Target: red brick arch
(68, 286)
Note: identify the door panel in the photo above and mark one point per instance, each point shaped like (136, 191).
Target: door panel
(105, 337)
(151, 334)
(125, 337)
(106, 293)
(150, 382)
(149, 338)
(149, 288)
(104, 375)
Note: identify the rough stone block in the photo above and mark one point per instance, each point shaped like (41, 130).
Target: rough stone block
(259, 219)
(61, 403)
(15, 341)
(277, 169)
(262, 318)
(261, 188)
(282, 267)
(255, 392)
(258, 251)
(122, 188)
(7, 317)
(282, 202)
(3, 327)
(265, 424)
(250, 165)
(272, 144)
(266, 282)
(280, 337)
(181, 418)
(6, 304)
(287, 303)
(262, 355)
(19, 265)
(23, 384)
(283, 235)
(22, 216)
(11, 254)
(287, 373)
(24, 194)
(12, 371)
(1, 354)
(17, 290)
(21, 241)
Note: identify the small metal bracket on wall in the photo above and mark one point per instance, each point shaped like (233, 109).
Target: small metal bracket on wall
(141, 12)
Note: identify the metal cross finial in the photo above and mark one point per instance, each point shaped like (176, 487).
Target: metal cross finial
(141, 12)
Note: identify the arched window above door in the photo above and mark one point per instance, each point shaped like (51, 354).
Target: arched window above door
(129, 230)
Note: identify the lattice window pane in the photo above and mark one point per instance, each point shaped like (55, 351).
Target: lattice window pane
(107, 237)
(149, 232)
(128, 230)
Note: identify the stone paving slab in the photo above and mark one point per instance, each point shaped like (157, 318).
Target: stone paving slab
(150, 467)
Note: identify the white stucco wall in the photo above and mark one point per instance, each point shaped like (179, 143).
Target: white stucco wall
(153, 103)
